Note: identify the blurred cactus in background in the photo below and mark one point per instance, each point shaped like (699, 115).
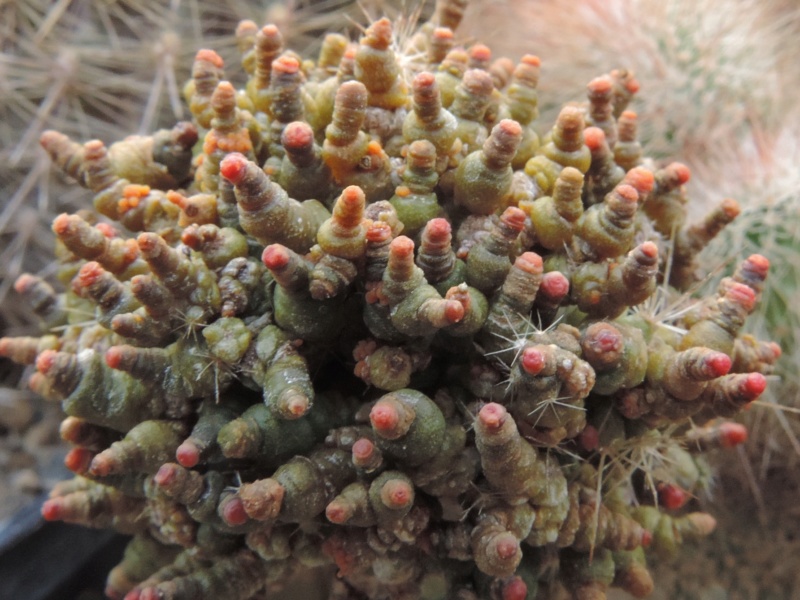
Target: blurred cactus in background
(368, 312)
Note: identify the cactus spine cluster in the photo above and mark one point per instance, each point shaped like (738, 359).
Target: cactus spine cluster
(360, 313)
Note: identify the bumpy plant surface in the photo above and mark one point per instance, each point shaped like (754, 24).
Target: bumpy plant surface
(359, 317)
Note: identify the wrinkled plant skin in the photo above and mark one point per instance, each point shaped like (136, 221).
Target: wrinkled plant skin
(362, 314)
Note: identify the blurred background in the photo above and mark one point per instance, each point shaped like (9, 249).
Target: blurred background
(719, 83)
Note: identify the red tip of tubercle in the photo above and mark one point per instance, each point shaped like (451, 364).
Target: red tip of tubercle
(641, 179)
(397, 494)
(89, 274)
(166, 475)
(719, 363)
(134, 594)
(629, 115)
(632, 86)
(206, 55)
(61, 224)
(649, 249)
(554, 286)
(24, 282)
(402, 247)
(336, 513)
(533, 360)
(510, 128)
(438, 229)
(52, 510)
(682, 172)
(731, 208)
(233, 513)
(424, 80)
(754, 385)
(102, 465)
(78, 460)
(233, 167)
(378, 231)
(443, 33)
(480, 52)
(627, 193)
(353, 196)
(275, 257)
(297, 135)
(513, 218)
(454, 311)
(532, 60)
(530, 262)
(492, 416)
(594, 137)
(114, 356)
(589, 438)
(363, 449)
(600, 85)
(46, 361)
(647, 538)
(743, 295)
(384, 416)
(672, 496)
(506, 546)
(758, 264)
(187, 454)
(285, 64)
(732, 434)
(516, 589)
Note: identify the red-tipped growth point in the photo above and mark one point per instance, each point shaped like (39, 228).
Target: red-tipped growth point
(532, 60)
(732, 434)
(384, 416)
(554, 286)
(681, 171)
(402, 247)
(513, 217)
(506, 546)
(53, 509)
(742, 295)
(206, 55)
(480, 53)
(754, 385)
(719, 364)
(589, 438)
(275, 257)
(166, 475)
(233, 167)
(438, 229)
(599, 85)
(363, 450)
(397, 494)
(594, 138)
(492, 416)
(89, 274)
(758, 265)
(731, 208)
(78, 460)
(641, 179)
(649, 249)
(424, 79)
(102, 465)
(647, 538)
(115, 356)
(516, 589)
(24, 283)
(533, 360)
(62, 224)
(297, 136)
(187, 454)
(454, 311)
(378, 231)
(233, 512)
(285, 64)
(671, 496)
(46, 361)
(337, 513)
(529, 262)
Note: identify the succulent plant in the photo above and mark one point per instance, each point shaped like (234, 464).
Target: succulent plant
(359, 313)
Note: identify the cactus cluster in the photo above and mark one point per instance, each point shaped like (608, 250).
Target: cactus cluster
(360, 313)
